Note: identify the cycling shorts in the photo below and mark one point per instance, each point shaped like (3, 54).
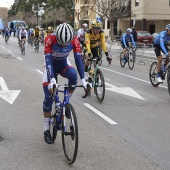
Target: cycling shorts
(123, 46)
(158, 49)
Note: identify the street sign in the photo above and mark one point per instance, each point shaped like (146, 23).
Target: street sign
(6, 94)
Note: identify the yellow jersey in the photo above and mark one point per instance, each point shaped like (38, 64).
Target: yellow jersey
(92, 40)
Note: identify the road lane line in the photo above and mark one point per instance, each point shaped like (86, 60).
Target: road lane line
(39, 71)
(131, 77)
(100, 114)
(20, 58)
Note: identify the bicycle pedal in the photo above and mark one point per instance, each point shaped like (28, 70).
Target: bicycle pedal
(85, 95)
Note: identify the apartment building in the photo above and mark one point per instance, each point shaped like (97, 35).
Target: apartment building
(3, 12)
(150, 15)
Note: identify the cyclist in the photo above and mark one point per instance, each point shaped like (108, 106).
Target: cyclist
(42, 33)
(7, 34)
(160, 44)
(22, 36)
(126, 38)
(36, 35)
(57, 47)
(49, 30)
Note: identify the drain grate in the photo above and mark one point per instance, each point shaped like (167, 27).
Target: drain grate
(1, 139)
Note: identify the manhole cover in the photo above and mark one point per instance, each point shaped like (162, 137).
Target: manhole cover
(1, 139)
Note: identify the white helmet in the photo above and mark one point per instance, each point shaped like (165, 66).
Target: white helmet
(129, 30)
(64, 34)
(85, 25)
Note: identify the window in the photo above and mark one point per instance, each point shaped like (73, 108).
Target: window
(108, 24)
(136, 2)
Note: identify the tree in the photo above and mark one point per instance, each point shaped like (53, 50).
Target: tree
(112, 10)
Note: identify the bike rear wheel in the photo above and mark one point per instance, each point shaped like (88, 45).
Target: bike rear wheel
(168, 79)
(153, 74)
(69, 134)
(121, 60)
(99, 86)
(131, 61)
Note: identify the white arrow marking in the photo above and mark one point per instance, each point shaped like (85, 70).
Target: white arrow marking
(124, 90)
(6, 94)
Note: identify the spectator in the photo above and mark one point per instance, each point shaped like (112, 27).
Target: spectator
(134, 33)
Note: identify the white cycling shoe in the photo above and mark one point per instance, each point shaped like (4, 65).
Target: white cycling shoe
(159, 80)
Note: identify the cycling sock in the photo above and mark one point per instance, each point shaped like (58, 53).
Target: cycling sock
(46, 124)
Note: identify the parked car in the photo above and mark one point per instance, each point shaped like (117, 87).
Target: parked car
(144, 37)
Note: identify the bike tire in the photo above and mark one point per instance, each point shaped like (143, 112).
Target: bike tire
(53, 128)
(153, 74)
(131, 61)
(99, 86)
(121, 58)
(168, 79)
(70, 132)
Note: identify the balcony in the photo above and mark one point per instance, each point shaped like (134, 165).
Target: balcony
(84, 3)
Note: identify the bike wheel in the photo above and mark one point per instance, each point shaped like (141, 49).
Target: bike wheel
(53, 127)
(69, 134)
(168, 79)
(153, 74)
(121, 58)
(131, 61)
(99, 86)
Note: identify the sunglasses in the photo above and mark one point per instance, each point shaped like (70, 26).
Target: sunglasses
(97, 28)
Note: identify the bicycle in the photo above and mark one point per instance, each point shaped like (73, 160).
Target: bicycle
(129, 57)
(6, 38)
(63, 117)
(36, 43)
(23, 47)
(96, 78)
(164, 73)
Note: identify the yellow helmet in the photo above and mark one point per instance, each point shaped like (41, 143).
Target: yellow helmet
(96, 24)
(50, 28)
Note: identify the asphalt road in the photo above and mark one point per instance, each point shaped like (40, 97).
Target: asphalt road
(135, 135)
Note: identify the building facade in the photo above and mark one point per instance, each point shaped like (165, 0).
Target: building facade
(149, 15)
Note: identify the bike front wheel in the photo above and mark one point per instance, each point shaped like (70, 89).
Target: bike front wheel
(168, 79)
(153, 74)
(99, 86)
(131, 61)
(69, 134)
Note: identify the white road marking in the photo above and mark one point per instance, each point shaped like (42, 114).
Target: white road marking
(131, 77)
(6, 94)
(20, 58)
(124, 90)
(39, 71)
(100, 114)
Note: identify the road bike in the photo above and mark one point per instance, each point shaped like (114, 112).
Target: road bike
(96, 78)
(164, 73)
(36, 43)
(128, 58)
(63, 117)
(6, 38)
(23, 47)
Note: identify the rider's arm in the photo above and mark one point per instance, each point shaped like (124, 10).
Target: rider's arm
(26, 34)
(77, 56)
(48, 58)
(123, 39)
(162, 45)
(87, 40)
(20, 34)
(132, 40)
(103, 43)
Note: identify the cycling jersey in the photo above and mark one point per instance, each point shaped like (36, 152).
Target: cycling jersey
(127, 38)
(36, 32)
(22, 34)
(162, 39)
(56, 56)
(92, 40)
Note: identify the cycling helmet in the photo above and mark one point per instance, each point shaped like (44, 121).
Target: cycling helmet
(85, 25)
(96, 24)
(64, 34)
(129, 30)
(168, 27)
